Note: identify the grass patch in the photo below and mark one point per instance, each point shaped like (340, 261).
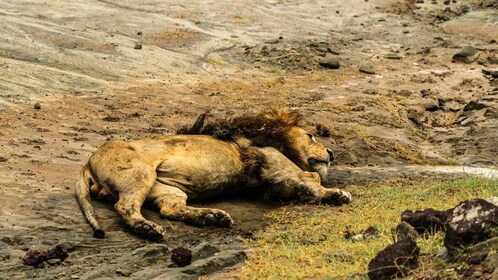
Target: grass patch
(298, 242)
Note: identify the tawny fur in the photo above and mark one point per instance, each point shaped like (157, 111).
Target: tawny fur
(268, 150)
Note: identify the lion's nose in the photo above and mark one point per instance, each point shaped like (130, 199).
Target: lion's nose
(331, 154)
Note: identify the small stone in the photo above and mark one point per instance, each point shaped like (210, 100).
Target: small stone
(138, 46)
(367, 69)
(466, 55)
(54, 261)
(393, 56)
(68, 246)
(181, 256)
(330, 63)
(473, 105)
(37, 106)
(57, 252)
(493, 72)
(75, 276)
(123, 272)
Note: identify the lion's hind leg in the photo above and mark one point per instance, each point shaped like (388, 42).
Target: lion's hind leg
(172, 204)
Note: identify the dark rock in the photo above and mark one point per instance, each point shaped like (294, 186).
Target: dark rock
(138, 46)
(473, 105)
(466, 55)
(491, 72)
(37, 106)
(358, 108)
(34, 258)
(330, 63)
(395, 260)
(470, 222)
(404, 230)
(322, 130)
(181, 256)
(204, 250)
(427, 220)
(367, 69)
(57, 252)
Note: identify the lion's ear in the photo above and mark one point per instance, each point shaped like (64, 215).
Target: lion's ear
(283, 116)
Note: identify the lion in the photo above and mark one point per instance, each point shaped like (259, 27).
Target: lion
(267, 150)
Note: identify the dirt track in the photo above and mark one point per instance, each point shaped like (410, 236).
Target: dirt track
(115, 70)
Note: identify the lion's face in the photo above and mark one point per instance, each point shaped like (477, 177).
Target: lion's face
(313, 156)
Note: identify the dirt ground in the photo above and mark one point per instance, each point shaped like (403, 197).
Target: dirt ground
(74, 74)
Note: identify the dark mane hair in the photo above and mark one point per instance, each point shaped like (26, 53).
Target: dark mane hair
(268, 129)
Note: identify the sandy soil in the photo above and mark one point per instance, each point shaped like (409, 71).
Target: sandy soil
(118, 70)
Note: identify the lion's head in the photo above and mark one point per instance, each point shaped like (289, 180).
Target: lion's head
(277, 128)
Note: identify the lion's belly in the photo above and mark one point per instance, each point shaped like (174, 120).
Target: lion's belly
(206, 172)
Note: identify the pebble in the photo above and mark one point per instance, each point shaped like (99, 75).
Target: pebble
(330, 63)
(491, 72)
(367, 69)
(138, 46)
(392, 56)
(54, 261)
(492, 59)
(371, 91)
(466, 55)
(123, 272)
(37, 106)
(272, 41)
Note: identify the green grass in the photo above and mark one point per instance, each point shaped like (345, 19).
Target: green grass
(296, 244)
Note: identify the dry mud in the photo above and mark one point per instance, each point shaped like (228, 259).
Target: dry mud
(74, 74)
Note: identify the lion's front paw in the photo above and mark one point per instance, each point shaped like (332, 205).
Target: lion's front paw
(337, 197)
(217, 218)
(149, 230)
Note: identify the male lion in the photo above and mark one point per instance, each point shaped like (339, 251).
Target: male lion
(203, 161)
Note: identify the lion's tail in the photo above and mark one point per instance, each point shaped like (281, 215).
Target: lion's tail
(83, 195)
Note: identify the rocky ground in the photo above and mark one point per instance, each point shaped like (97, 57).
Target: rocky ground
(383, 83)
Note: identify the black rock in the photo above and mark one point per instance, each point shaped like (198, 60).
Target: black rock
(470, 222)
(37, 106)
(473, 105)
(181, 256)
(395, 260)
(427, 220)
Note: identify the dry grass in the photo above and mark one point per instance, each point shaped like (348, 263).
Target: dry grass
(295, 246)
